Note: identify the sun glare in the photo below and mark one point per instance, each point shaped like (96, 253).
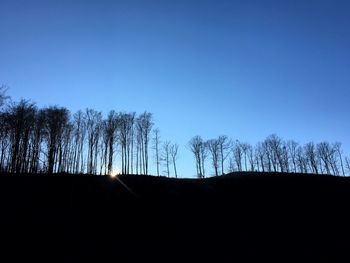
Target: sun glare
(114, 173)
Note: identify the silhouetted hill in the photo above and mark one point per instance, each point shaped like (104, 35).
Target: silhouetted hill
(246, 216)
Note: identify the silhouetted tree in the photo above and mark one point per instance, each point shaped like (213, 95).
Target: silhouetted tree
(324, 151)
(65, 148)
(20, 119)
(274, 143)
(285, 157)
(245, 148)
(56, 121)
(93, 126)
(144, 127)
(197, 147)
(138, 150)
(311, 157)
(347, 164)
(251, 159)
(126, 123)
(130, 140)
(4, 130)
(156, 142)
(237, 154)
(224, 147)
(37, 136)
(333, 157)
(292, 152)
(301, 160)
(79, 138)
(204, 152)
(337, 149)
(4, 144)
(231, 165)
(104, 148)
(111, 134)
(214, 149)
(5, 141)
(260, 156)
(166, 156)
(174, 155)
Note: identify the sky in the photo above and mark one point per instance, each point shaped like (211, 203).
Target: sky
(245, 69)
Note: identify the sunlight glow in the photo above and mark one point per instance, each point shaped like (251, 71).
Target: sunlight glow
(114, 173)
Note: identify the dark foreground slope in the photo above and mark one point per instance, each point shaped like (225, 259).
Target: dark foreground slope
(143, 218)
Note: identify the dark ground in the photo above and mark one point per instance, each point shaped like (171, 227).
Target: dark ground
(233, 218)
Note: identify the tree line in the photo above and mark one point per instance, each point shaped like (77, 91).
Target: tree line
(271, 155)
(52, 140)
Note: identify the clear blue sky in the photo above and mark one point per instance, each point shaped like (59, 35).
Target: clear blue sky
(242, 68)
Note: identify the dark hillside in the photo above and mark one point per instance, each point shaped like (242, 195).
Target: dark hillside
(141, 218)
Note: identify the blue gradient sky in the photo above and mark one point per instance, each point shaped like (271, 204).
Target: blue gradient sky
(242, 68)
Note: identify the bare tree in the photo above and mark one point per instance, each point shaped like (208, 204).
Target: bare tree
(333, 157)
(4, 130)
(196, 145)
(111, 134)
(260, 156)
(224, 146)
(65, 147)
(37, 137)
(347, 164)
(126, 123)
(56, 120)
(311, 157)
(132, 139)
(237, 153)
(4, 141)
(144, 127)
(337, 149)
(156, 142)
(274, 147)
(267, 162)
(138, 150)
(20, 119)
(231, 165)
(93, 124)
(166, 156)
(77, 122)
(324, 151)
(285, 157)
(214, 149)
(80, 130)
(203, 155)
(174, 155)
(104, 147)
(245, 147)
(251, 159)
(301, 160)
(292, 152)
